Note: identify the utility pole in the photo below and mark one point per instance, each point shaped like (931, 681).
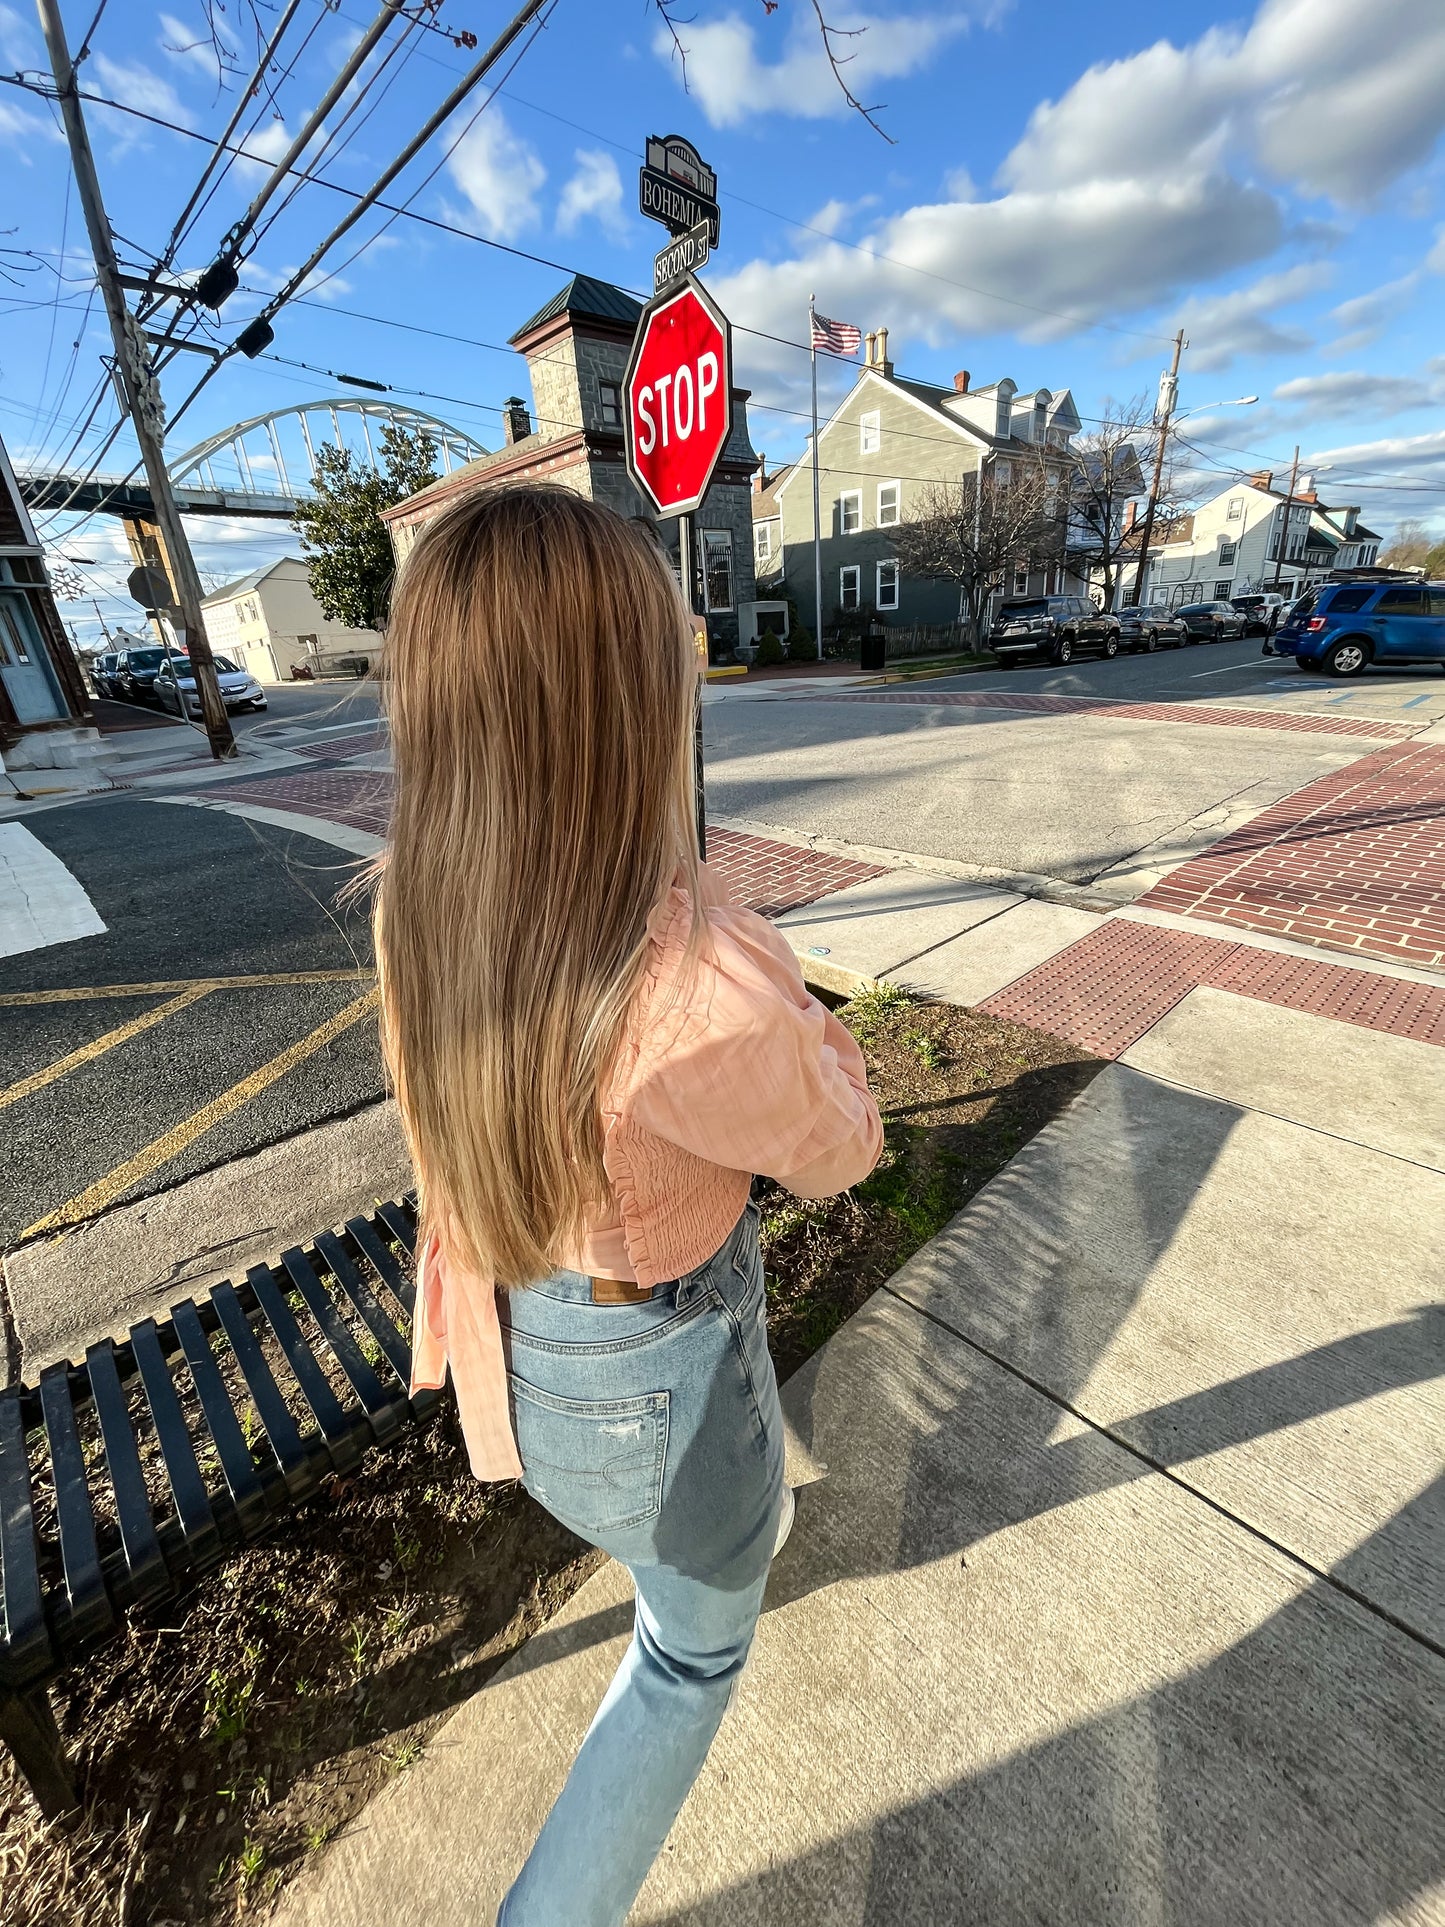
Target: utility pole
(1168, 395)
(1284, 532)
(142, 392)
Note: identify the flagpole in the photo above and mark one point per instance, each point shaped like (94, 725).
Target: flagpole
(817, 519)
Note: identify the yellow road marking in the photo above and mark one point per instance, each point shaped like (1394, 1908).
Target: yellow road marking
(39, 1079)
(107, 1189)
(169, 989)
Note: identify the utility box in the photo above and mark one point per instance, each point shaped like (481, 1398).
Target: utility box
(875, 649)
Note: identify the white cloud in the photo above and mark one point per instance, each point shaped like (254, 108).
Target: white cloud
(1354, 392)
(23, 131)
(134, 84)
(1244, 321)
(500, 174)
(729, 81)
(1333, 98)
(594, 194)
(193, 46)
(267, 143)
(1364, 317)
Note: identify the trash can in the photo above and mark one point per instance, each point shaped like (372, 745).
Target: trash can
(875, 648)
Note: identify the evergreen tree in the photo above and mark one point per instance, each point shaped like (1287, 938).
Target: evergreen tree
(349, 557)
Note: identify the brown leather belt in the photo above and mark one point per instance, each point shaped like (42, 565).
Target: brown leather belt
(619, 1291)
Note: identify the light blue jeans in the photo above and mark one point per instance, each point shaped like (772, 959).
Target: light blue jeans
(654, 1431)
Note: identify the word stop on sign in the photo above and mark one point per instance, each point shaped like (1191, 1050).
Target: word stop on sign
(672, 405)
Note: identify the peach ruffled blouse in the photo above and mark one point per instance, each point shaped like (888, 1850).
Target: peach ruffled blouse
(733, 1071)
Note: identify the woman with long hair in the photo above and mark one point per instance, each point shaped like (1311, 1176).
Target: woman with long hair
(593, 1052)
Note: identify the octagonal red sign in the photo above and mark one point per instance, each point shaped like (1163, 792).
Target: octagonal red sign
(678, 398)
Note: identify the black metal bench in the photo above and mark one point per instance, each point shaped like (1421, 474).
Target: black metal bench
(125, 1479)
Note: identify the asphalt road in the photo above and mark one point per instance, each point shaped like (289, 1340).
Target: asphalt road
(186, 895)
(1067, 796)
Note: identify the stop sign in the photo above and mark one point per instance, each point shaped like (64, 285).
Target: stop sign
(678, 408)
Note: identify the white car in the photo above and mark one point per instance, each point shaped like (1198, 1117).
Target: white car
(239, 689)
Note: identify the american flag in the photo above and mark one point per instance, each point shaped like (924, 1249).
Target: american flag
(837, 337)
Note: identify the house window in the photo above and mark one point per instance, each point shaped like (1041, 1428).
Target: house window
(14, 647)
(887, 586)
(1021, 581)
(850, 511)
(1236, 508)
(717, 570)
(870, 433)
(1226, 555)
(887, 504)
(763, 542)
(611, 410)
(848, 587)
(1223, 590)
(1002, 473)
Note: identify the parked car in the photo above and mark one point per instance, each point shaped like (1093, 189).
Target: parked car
(103, 673)
(1053, 628)
(1211, 621)
(1151, 628)
(1261, 612)
(1342, 628)
(239, 689)
(135, 673)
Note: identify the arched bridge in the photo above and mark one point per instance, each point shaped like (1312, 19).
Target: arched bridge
(259, 467)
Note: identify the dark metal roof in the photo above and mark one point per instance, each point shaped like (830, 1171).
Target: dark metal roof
(583, 296)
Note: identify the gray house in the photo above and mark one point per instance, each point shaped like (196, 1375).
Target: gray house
(887, 441)
(576, 349)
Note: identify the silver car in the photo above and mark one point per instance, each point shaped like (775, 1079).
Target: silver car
(239, 689)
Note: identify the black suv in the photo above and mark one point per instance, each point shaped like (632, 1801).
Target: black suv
(135, 673)
(1051, 628)
(1213, 621)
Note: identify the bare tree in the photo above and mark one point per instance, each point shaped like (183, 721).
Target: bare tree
(961, 533)
(1408, 548)
(1108, 475)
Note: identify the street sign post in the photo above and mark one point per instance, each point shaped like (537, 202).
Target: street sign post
(681, 257)
(677, 399)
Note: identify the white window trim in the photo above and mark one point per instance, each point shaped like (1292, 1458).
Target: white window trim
(850, 568)
(870, 423)
(890, 563)
(1235, 510)
(849, 495)
(763, 541)
(893, 520)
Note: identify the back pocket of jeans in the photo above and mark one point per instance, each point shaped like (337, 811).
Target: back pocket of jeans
(597, 1463)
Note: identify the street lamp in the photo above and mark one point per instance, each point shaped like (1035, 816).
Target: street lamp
(1203, 408)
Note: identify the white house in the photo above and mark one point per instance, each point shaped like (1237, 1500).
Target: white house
(270, 620)
(1231, 544)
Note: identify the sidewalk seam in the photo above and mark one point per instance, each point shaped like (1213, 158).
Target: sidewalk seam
(1330, 1579)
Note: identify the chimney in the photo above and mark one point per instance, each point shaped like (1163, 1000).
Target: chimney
(960, 382)
(1262, 479)
(1305, 487)
(868, 340)
(880, 358)
(516, 422)
(1131, 516)
(760, 475)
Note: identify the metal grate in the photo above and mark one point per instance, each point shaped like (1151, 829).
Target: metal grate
(124, 1479)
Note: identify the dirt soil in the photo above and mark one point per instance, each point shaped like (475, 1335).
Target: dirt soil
(228, 1737)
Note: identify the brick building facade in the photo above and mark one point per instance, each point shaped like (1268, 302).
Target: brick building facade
(576, 349)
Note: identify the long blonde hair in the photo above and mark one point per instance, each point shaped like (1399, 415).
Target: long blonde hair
(539, 677)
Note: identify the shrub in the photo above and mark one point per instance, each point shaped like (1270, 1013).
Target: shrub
(801, 647)
(770, 651)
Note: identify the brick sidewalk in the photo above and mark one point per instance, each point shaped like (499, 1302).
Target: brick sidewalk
(1353, 861)
(1037, 705)
(1105, 991)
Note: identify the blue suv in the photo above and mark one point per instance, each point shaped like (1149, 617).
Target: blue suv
(1343, 627)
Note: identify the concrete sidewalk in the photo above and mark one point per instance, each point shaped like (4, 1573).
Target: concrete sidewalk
(1119, 1599)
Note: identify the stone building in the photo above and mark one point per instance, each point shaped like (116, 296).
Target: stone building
(45, 713)
(576, 350)
(887, 441)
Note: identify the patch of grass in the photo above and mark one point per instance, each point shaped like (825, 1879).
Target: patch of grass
(405, 1755)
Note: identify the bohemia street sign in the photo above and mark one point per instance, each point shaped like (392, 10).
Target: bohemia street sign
(677, 411)
(677, 187)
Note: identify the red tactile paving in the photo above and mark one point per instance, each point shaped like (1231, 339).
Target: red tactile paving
(773, 877)
(336, 749)
(359, 798)
(1039, 705)
(1354, 861)
(1105, 991)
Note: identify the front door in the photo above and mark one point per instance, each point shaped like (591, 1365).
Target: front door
(1403, 626)
(24, 666)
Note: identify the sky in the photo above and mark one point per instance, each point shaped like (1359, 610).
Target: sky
(1055, 190)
